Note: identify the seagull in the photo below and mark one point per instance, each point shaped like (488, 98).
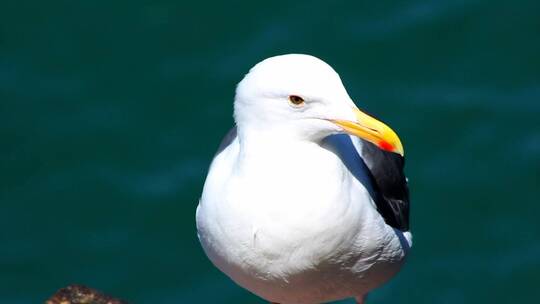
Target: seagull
(306, 200)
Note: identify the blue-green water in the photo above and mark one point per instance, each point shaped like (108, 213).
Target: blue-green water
(110, 113)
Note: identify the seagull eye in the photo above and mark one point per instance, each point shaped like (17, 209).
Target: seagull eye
(296, 100)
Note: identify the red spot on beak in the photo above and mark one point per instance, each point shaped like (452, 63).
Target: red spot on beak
(386, 146)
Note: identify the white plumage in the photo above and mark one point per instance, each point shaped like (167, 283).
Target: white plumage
(281, 213)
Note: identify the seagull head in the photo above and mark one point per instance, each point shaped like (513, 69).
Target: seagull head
(302, 97)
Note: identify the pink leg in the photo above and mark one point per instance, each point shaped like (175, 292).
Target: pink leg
(361, 299)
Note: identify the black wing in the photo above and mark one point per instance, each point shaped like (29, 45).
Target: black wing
(227, 140)
(389, 183)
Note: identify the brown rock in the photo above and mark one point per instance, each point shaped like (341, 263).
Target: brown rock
(79, 294)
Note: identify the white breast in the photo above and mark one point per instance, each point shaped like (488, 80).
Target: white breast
(294, 228)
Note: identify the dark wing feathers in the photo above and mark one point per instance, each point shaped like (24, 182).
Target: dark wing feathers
(389, 183)
(227, 140)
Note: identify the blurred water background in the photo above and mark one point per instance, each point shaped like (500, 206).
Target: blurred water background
(110, 112)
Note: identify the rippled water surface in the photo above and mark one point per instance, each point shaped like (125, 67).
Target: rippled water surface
(110, 113)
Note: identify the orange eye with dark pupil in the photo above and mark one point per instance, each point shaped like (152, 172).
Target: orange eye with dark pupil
(296, 100)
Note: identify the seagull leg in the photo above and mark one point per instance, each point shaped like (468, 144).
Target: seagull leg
(361, 299)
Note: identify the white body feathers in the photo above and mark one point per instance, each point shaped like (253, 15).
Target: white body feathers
(293, 225)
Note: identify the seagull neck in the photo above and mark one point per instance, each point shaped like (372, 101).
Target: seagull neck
(271, 140)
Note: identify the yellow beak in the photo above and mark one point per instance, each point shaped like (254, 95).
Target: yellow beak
(372, 130)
